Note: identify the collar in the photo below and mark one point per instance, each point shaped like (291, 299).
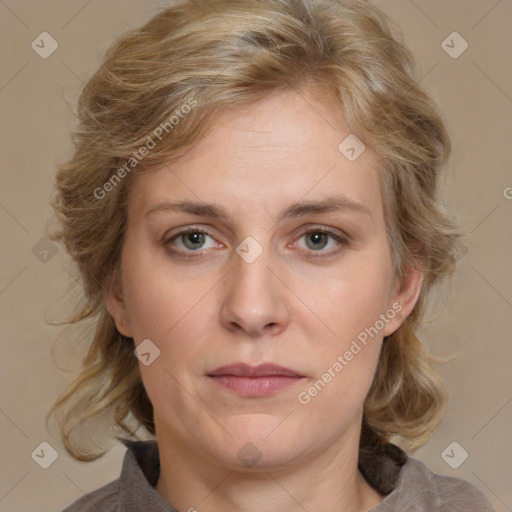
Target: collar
(380, 466)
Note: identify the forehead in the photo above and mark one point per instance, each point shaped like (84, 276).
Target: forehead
(281, 150)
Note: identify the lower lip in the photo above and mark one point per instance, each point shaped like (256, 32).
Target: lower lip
(255, 386)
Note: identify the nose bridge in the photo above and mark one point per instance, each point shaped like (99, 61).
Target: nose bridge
(253, 299)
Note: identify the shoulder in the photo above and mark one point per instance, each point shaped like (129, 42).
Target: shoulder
(425, 490)
(105, 498)
(134, 489)
(408, 484)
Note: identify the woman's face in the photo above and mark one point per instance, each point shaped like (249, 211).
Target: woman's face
(286, 262)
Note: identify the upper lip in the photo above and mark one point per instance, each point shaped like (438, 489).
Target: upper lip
(261, 370)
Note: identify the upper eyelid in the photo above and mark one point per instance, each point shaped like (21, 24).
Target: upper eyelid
(302, 230)
(186, 230)
(340, 237)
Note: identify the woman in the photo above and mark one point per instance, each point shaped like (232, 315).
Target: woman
(252, 205)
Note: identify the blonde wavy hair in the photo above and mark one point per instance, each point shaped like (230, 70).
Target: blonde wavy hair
(221, 54)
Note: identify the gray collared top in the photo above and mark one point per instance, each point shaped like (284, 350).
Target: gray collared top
(408, 484)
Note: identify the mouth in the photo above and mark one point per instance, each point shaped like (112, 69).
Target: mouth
(256, 381)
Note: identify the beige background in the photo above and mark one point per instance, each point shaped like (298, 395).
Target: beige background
(37, 99)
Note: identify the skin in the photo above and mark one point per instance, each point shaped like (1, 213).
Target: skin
(285, 307)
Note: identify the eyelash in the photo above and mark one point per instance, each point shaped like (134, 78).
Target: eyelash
(322, 254)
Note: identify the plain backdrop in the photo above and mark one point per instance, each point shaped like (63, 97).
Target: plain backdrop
(37, 101)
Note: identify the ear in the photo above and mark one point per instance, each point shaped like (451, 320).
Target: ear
(116, 305)
(403, 298)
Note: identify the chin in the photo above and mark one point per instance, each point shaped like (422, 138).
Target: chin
(261, 442)
(261, 456)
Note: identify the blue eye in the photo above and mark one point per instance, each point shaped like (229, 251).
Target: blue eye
(192, 240)
(316, 240)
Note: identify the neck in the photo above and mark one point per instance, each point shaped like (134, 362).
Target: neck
(329, 481)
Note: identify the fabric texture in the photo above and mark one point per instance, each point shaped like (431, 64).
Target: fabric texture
(408, 484)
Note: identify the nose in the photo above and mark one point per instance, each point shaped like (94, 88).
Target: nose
(255, 300)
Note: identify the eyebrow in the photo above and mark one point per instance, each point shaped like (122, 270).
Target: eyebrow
(303, 208)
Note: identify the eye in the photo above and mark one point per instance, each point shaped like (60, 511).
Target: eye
(194, 240)
(317, 239)
(191, 240)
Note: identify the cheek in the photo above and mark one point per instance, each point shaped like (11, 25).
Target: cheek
(155, 301)
(346, 360)
(352, 300)
(351, 305)
(175, 312)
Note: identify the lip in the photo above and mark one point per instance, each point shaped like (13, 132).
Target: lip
(261, 380)
(260, 370)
